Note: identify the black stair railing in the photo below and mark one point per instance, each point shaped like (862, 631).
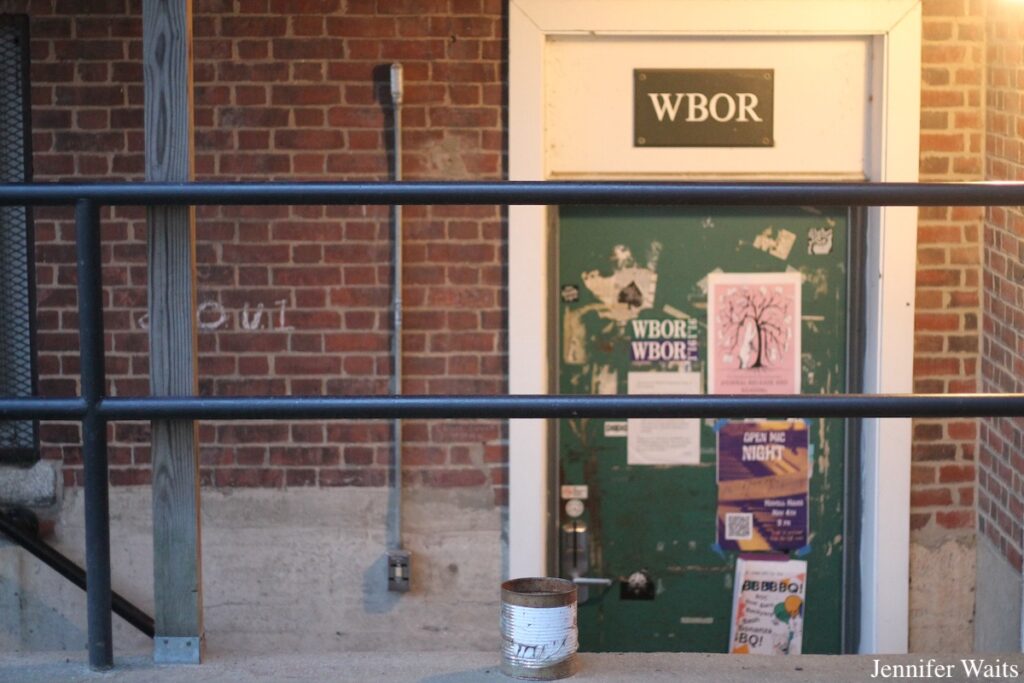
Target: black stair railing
(66, 567)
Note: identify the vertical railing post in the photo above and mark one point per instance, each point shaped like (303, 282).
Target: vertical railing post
(173, 364)
(94, 434)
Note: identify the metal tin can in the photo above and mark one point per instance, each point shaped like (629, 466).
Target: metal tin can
(538, 628)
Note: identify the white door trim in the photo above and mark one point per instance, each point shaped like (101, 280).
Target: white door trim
(895, 28)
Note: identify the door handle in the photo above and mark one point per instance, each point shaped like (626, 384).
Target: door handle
(591, 581)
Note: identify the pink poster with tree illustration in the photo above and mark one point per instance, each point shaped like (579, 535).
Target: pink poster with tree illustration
(754, 333)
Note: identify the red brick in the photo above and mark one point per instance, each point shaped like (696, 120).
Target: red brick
(305, 231)
(927, 431)
(936, 30)
(955, 519)
(943, 142)
(249, 26)
(956, 473)
(304, 6)
(926, 367)
(338, 343)
(306, 276)
(358, 477)
(963, 430)
(248, 477)
(73, 8)
(130, 477)
(922, 474)
(455, 432)
(367, 27)
(933, 452)
(419, 456)
(292, 95)
(307, 365)
(267, 72)
(307, 48)
(96, 72)
(930, 497)
(258, 433)
(307, 25)
(355, 117)
(965, 496)
(453, 478)
(308, 139)
(249, 117)
(304, 456)
(942, 98)
(936, 322)
(89, 142)
(253, 164)
(362, 320)
(300, 477)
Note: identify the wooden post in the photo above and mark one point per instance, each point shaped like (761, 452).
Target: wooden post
(167, 65)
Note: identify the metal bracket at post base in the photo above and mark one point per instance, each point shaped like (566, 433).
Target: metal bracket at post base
(178, 649)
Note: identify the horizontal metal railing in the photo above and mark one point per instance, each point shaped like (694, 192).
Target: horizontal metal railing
(517, 193)
(518, 406)
(95, 409)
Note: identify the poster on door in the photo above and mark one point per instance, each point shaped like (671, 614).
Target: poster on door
(659, 441)
(763, 485)
(754, 333)
(768, 606)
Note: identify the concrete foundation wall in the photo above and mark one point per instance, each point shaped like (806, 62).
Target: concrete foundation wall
(299, 570)
(997, 619)
(942, 594)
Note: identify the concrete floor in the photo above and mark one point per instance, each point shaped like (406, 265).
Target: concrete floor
(466, 667)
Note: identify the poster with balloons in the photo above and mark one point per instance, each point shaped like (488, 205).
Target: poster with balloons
(768, 606)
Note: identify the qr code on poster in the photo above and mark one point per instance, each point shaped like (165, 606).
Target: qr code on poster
(739, 526)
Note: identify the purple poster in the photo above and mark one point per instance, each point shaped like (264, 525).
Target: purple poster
(763, 483)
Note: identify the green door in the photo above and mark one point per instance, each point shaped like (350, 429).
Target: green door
(643, 531)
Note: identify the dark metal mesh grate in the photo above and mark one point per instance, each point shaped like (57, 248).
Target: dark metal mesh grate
(16, 294)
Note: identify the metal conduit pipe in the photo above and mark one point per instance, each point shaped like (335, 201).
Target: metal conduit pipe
(398, 559)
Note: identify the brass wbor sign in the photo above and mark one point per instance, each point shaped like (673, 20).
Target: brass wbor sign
(703, 107)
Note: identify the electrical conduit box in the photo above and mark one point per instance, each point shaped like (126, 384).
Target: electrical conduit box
(398, 570)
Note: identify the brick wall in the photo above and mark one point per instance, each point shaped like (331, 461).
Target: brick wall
(291, 300)
(1001, 458)
(948, 262)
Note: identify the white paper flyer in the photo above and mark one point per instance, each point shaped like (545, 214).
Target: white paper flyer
(768, 606)
(672, 441)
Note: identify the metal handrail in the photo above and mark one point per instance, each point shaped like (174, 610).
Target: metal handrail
(95, 409)
(521, 406)
(67, 568)
(517, 193)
